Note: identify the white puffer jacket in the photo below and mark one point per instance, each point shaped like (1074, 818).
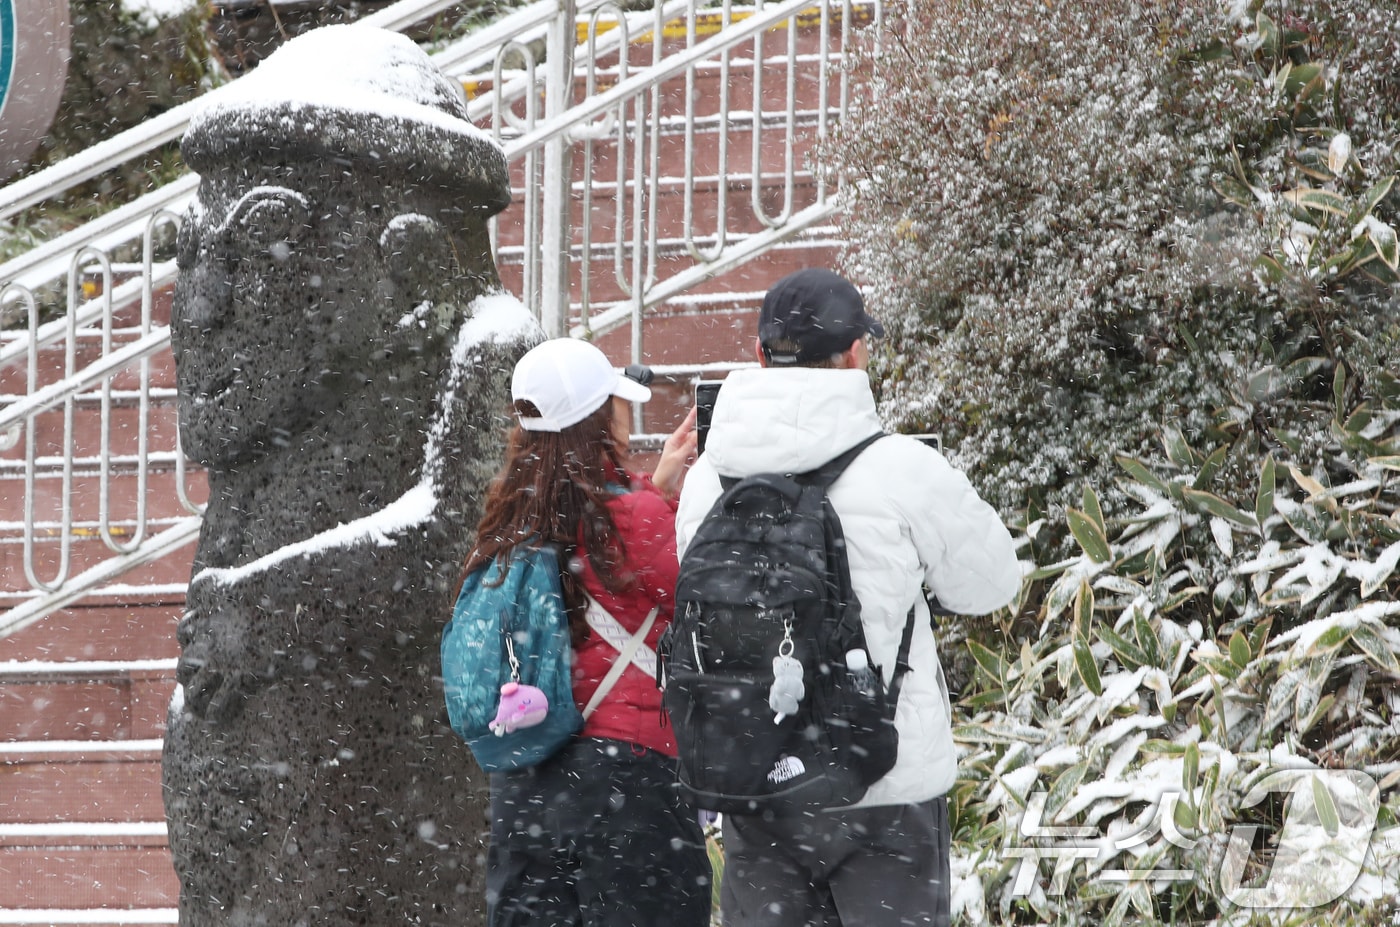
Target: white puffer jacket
(909, 518)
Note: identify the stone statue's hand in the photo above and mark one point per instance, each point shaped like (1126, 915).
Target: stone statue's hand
(212, 689)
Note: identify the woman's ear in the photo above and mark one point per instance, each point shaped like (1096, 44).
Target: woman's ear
(758, 352)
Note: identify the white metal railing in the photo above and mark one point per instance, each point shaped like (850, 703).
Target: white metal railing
(601, 94)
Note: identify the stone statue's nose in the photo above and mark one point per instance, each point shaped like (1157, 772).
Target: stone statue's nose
(207, 288)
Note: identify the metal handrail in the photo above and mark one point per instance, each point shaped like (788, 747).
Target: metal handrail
(624, 120)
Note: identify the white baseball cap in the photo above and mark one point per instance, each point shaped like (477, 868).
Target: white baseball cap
(568, 380)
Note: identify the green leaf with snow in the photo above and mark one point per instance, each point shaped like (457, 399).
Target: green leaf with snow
(1383, 239)
(1259, 634)
(1332, 637)
(991, 663)
(1128, 652)
(1147, 638)
(1307, 705)
(1264, 498)
(1326, 807)
(1090, 536)
(1084, 610)
(1086, 666)
(1264, 384)
(1385, 462)
(1373, 195)
(989, 698)
(1061, 594)
(1210, 503)
(1052, 569)
(1268, 266)
(1179, 598)
(1374, 575)
(1210, 467)
(1178, 450)
(1224, 536)
(1268, 35)
(1377, 648)
(1280, 699)
(1239, 650)
(1359, 418)
(1140, 472)
(1323, 200)
(1184, 815)
(1221, 712)
(1093, 510)
(1303, 82)
(1063, 788)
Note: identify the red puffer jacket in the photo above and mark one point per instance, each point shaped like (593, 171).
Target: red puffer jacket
(646, 522)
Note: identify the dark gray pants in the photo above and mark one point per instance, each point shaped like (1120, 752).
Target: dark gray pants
(595, 836)
(868, 867)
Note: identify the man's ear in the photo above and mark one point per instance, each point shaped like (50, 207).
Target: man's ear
(850, 358)
(758, 352)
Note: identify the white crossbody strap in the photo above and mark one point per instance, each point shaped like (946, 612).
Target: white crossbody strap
(629, 647)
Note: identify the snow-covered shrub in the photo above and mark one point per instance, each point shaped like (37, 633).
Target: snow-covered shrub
(1138, 266)
(1190, 648)
(129, 60)
(1082, 220)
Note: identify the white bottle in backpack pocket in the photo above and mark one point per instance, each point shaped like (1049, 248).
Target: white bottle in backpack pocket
(858, 663)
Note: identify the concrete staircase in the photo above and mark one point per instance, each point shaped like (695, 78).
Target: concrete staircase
(83, 692)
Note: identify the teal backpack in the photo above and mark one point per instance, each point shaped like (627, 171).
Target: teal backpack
(505, 651)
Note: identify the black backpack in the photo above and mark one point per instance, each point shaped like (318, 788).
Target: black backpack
(765, 579)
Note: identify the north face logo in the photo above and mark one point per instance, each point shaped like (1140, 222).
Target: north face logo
(788, 767)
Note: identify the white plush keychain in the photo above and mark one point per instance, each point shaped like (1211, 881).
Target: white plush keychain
(787, 690)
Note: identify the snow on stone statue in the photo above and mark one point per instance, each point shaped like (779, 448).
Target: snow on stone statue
(343, 351)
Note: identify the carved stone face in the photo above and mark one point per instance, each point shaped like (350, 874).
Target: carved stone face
(343, 200)
(279, 308)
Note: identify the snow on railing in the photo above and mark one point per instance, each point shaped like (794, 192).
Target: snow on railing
(733, 95)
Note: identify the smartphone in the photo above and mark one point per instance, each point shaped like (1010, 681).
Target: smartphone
(706, 391)
(933, 441)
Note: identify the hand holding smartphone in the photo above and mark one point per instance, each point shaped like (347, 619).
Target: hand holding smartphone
(706, 391)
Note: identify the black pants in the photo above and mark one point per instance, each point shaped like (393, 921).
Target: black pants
(596, 836)
(867, 867)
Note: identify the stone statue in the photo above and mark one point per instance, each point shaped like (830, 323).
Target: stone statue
(343, 352)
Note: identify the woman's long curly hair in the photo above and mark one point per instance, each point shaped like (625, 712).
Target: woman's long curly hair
(553, 490)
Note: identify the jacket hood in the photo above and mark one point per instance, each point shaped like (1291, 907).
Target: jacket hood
(807, 415)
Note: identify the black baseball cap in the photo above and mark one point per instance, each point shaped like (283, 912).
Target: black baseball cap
(816, 309)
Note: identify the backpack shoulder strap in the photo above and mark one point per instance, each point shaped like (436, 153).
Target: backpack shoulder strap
(828, 472)
(901, 660)
(631, 651)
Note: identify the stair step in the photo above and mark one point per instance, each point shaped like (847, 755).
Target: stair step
(81, 782)
(84, 702)
(82, 829)
(88, 917)
(140, 627)
(77, 885)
